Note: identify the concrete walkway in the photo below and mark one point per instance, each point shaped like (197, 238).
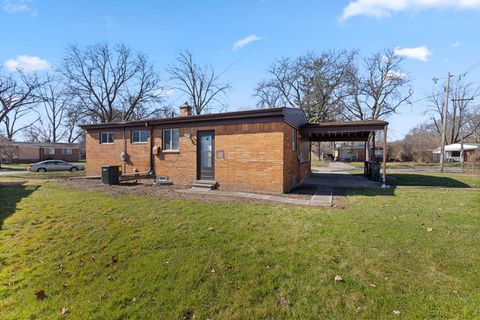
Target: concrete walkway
(321, 198)
(320, 185)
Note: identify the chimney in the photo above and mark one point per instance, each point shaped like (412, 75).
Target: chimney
(185, 110)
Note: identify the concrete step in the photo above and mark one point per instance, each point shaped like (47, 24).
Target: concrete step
(205, 184)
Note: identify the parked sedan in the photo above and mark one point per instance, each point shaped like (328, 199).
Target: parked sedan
(54, 165)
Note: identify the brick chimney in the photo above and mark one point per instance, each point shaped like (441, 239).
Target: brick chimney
(185, 110)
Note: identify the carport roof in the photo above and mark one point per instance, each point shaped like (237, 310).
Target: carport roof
(342, 131)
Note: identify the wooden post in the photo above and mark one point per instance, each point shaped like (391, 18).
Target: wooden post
(385, 150)
(373, 146)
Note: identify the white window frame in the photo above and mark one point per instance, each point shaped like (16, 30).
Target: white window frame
(170, 142)
(139, 132)
(49, 151)
(67, 151)
(107, 135)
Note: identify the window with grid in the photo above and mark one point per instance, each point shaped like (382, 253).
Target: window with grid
(106, 137)
(139, 136)
(171, 139)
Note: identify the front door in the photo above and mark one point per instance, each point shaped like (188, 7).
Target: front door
(205, 155)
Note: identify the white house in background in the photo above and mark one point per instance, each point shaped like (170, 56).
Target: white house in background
(452, 151)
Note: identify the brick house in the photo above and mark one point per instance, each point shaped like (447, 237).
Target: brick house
(26, 152)
(255, 150)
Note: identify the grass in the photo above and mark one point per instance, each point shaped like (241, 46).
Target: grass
(133, 257)
(409, 165)
(435, 179)
(319, 163)
(13, 167)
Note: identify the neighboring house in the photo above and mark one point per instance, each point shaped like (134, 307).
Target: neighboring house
(25, 152)
(355, 152)
(452, 151)
(255, 150)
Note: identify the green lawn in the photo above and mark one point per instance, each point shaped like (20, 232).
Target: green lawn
(435, 179)
(134, 257)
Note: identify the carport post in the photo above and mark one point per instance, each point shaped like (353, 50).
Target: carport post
(385, 150)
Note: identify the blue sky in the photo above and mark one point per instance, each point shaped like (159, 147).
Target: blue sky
(436, 36)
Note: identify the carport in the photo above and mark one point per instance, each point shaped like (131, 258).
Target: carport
(364, 130)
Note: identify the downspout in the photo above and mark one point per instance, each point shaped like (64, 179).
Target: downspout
(152, 156)
(124, 170)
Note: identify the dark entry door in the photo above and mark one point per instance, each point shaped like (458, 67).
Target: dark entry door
(205, 155)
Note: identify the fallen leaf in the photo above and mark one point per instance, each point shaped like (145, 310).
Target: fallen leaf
(212, 269)
(41, 295)
(339, 278)
(134, 299)
(429, 229)
(211, 229)
(396, 312)
(69, 253)
(110, 278)
(65, 310)
(373, 285)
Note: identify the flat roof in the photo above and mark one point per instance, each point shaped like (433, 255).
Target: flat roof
(294, 117)
(359, 130)
(45, 144)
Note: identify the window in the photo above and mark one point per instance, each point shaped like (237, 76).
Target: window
(171, 138)
(106, 137)
(67, 151)
(294, 140)
(49, 151)
(139, 136)
(304, 151)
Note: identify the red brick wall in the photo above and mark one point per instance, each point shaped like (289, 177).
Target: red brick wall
(294, 171)
(254, 156)
(59, 155)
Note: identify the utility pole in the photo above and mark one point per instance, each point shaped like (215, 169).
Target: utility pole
(444, 120)
(460, 127)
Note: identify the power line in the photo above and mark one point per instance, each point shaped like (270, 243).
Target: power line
(266, 35)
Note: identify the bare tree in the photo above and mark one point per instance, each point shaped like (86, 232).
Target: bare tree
(200, 83)
(314, 83)
(17, 91)
(380, 91)
(462, 116)
(53, 96)
(110, 84)
(7, 149)
(11, 121)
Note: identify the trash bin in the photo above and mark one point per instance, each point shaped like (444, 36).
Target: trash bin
(371, 170)
(110, 174)
(376, 171)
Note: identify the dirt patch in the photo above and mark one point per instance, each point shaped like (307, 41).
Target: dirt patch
(146, 188)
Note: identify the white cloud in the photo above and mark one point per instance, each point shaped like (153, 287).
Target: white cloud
(419, 53)
(21, 6)
(396, 74)
(27, 63)
(457, 44)
(165, 92)
(385, 8)
(243, 42)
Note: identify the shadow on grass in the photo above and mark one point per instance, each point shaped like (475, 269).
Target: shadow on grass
(424, 180)
(11, 194)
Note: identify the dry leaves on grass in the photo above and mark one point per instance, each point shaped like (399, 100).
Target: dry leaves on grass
(65, 311)
(338, 278)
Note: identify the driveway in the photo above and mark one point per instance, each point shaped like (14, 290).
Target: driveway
(336, 176)
(8, 172)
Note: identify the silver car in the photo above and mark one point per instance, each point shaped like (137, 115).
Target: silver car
(54, 165)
